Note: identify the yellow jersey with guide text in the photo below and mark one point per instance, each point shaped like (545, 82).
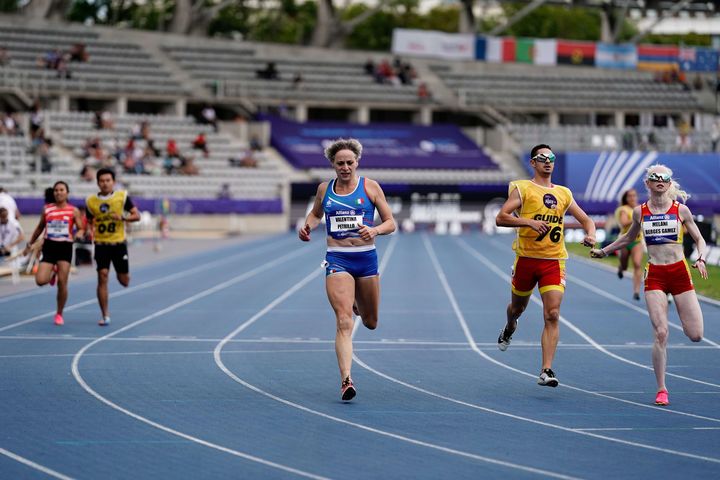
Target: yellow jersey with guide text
(100, 209)
(547, 204)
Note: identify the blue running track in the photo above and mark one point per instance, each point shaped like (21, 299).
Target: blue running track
(223, 366)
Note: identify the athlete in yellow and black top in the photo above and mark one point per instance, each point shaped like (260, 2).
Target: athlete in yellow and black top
(635, 250)
(537, 209)
(107, 212)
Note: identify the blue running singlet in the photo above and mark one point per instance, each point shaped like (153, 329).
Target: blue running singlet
(345, 214)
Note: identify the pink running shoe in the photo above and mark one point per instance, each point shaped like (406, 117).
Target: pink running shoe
(347, 390)
(662, 398)
(59, 320)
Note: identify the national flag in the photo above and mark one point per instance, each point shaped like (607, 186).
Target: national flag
(575, 53)
(698, 59)
(657, 57)
(609, 55)
(524, 50)
(480, 48)
(545, 52)
(499, 50)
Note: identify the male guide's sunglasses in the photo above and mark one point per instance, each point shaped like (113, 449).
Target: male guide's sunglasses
(659, 177)
(544, 157)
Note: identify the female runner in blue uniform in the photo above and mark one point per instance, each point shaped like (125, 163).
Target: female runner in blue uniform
(351, 268)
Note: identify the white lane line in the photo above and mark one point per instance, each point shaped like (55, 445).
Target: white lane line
(151, 283)
(577, 431)
(386, 341)
(78, 377)
(629, 305)
(381, 271)
(218, 361)
(41, 468)
(39, 291)
(471, 341)
(643, 429)
(596, 264)
(571, 325)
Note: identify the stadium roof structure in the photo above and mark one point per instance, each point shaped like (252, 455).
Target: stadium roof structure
(710, 6)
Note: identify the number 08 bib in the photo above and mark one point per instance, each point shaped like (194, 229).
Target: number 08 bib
(107, 229)
(547, 205)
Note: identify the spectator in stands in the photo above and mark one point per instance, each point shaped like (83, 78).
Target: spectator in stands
(224, 193)
(369, 67)
(698, 82)
(87, 173)
(423, 92)
(297, 81)
(78, 53)
(103, 120)
(246, 160)
(255, 144)
(683, 138)
(11, 233)
(8, 202)
(200, 143)
(269, 72)
(4, 57)
(209, 117)
(715, 135)
(36, 119)
(628, 139)
(187, 166)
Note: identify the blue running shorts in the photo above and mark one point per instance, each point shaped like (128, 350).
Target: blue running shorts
(357, 263)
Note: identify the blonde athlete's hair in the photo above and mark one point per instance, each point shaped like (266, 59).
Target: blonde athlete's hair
(675, 190)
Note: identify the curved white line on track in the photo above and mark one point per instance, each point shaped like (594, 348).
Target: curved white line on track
(629, 305)
(175, 306)
(583, 432)
(217, 354)
(615, 298)
(41, 468)
(473, 345)
(151, 283)
(484, 260)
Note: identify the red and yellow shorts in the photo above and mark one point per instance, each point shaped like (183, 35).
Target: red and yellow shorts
(673, 278)
(548, 274)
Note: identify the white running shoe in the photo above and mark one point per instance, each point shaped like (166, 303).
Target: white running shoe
(547, 378)
(504, 340)
(104, 322)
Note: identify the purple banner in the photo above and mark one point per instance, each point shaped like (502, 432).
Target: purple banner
(384, 145)
(30, 206)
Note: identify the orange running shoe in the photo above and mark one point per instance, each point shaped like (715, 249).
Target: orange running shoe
(59, 320)
(347, 390)
(662, 398)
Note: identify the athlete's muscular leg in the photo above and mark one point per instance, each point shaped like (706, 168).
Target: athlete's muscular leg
(102, 291)
(515, 308)
(44, 273)
(124, 279)
(551, 331)
(367, 297)
(62, 285)
(341, 292)
(690, 314)
(657, 309)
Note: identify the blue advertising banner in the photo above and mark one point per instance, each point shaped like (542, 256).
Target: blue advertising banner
(384, 145)
(603, 177)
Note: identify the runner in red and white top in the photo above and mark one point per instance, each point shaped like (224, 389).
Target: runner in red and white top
(57, 221)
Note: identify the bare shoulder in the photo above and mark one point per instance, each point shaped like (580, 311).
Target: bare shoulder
(372, 187)
(322, 188)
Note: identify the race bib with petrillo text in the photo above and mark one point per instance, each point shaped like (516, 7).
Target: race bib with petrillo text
(345, 223)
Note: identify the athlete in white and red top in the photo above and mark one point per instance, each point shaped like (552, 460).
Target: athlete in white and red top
(661, 220)
(57, 221)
